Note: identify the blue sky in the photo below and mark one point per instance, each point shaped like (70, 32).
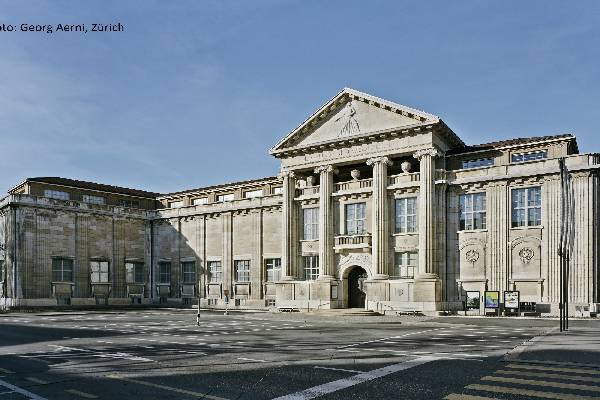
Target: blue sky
(194, 93)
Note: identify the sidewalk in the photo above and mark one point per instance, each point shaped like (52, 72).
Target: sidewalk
(578, 346)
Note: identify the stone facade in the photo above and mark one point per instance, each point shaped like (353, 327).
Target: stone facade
(376, 205)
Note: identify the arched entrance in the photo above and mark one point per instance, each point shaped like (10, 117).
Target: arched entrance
(356, 291)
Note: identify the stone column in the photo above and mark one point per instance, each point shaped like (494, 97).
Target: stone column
(427, 283)
(380, 222)
(326, 259)
(288, 229)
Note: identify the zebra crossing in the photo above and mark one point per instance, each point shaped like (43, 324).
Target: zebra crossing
(536, 379)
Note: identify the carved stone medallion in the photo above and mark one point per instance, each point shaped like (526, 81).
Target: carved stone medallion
(526, 254)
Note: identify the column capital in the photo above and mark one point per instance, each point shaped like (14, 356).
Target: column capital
(432, 151)
(376, 160)
(286, 174)
(325, 168)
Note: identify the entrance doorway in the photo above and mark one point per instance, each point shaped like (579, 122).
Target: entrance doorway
(356, 291)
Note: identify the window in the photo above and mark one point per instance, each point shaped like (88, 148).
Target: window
(176, 204)
(273, 266)
(472, 211)
(355, 219)
(405, 264)
(406, 215)
(129, 203)
(2, 271)
(93, 199)
(278, 190)
(200, 200)
(479, 162)
(62, 270)
(225, 197)
(164, 272)
(134, 272)
(311, 268)
(527, 207)
(99, 271)
(55, 194)
(311, 223)
(215, 271)
(242, 270)
(530, 156)
(188, 270)
(253, 193)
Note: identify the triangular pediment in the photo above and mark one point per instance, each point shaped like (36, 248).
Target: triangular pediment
(352, 114)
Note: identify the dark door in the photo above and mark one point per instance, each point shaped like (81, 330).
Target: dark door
(356, 291)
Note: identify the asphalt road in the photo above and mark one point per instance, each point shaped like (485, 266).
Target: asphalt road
(163, 354)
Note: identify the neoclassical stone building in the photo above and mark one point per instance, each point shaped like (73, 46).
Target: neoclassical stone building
(376, 205)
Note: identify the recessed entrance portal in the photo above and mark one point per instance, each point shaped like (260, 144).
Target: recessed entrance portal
(356, 291)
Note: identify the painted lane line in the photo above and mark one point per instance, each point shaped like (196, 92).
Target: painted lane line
(353, 371)
(587, 388)
(5, 371)
(250, 359)
(167, 388)
(81, 394)
(37, 380)
(553, 376)
(456, 396)
(19, 390)
(340, 384)
(529, 393)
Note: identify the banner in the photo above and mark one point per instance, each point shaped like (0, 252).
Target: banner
(492, 299)
(473, 301)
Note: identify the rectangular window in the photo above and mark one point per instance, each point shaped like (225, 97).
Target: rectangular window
(56, 194)
(225, 197)
(527, 207)
(99, 272)
(253, 193)
(530, 156)
(2, 271)
(278, 190)
(215, 271)
(176, 204)
(242, 270)
(129, 203)
(311, 223)
(164, 272)
(406, 215)
(472, 211)
(311, 268)
(405, 264)
(273, 267)
(134, 272)
(355, 219)
(200, 201)
(188, 270)
(93, 199)
(62, 270)
(479, 162)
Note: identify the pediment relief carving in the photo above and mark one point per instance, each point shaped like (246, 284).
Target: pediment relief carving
(352, 115)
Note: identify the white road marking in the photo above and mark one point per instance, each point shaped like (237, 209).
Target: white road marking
(339, 369)
(250, 359)
(344, 383)
(19, 390)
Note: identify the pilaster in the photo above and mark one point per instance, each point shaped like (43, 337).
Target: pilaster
(380, 229)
